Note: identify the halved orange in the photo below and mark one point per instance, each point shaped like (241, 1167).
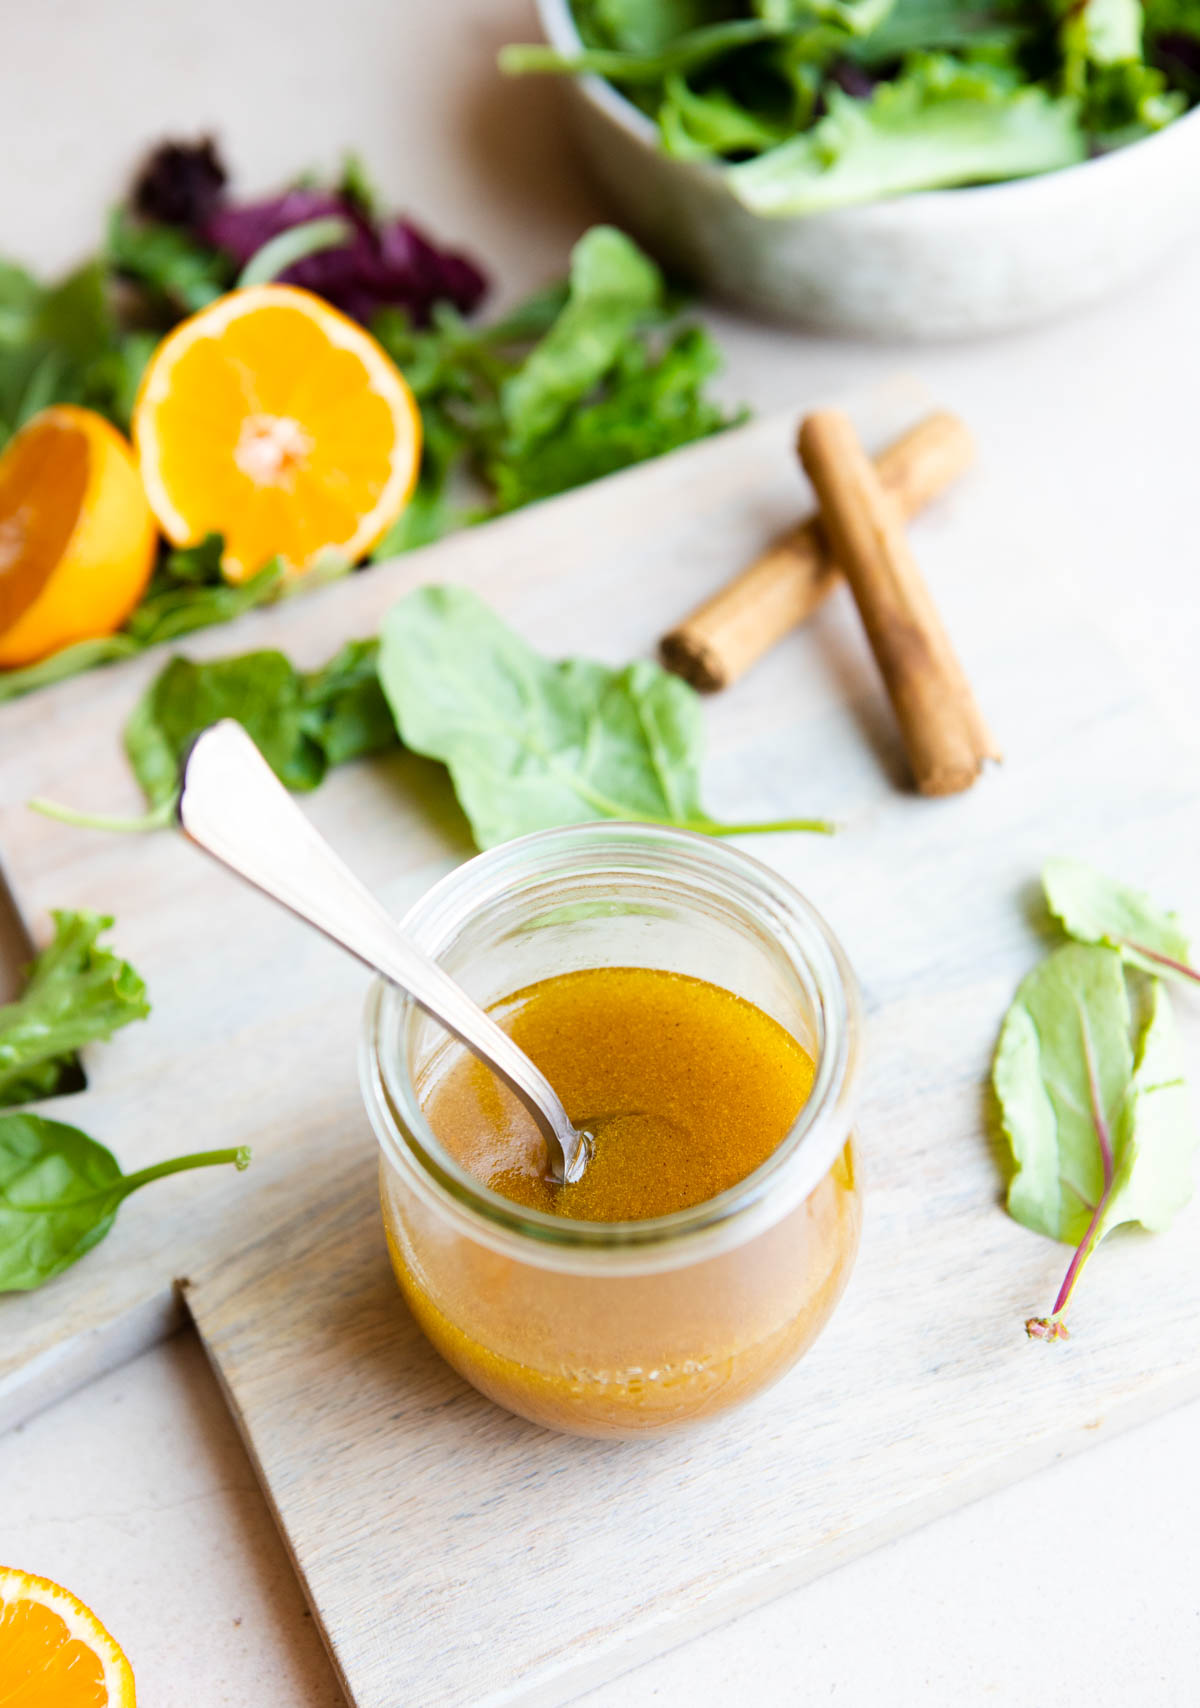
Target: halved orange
(274, 420)
(77, 536)
(54, 1652)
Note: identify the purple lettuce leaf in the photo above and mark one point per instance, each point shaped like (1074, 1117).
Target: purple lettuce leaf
(389, 264)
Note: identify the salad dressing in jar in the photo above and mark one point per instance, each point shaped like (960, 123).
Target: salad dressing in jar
(695, 1015)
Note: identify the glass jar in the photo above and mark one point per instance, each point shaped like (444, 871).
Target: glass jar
(621, 1328)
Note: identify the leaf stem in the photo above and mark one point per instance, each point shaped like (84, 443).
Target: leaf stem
(295, 244)
(238, 1155)
(713, 827)
(1104, 1140)
(119, 1189)
(1163, 960)
(160, 817)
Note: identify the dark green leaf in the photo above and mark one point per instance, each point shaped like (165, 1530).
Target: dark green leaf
(302, 724)
(649, 406)
(260, 689)
(59, 1194)
(531, 743)
(357, 186)
(77, 992)
(178, 272)
(613, 290)
(344, 710)
(173, 606)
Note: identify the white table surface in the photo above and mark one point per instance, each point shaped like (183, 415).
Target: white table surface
(1075, 1587)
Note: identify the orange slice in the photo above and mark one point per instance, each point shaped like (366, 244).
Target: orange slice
(76, 534)
(275, 421)
(54, 1652)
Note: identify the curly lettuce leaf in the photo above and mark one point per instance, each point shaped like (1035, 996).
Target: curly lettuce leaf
(77, 993)
(940, 123)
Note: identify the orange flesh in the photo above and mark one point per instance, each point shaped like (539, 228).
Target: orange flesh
(42, 483)
(41, 1666)
(246, 452)
(686, 1088)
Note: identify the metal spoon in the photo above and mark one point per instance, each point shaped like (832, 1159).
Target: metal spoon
(233, 806)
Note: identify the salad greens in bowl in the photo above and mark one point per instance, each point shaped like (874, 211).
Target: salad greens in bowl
(890, 167)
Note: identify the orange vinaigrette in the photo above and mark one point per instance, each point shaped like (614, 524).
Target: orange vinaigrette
(688, 1089)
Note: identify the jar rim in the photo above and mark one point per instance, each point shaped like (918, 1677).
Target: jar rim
(607, 849)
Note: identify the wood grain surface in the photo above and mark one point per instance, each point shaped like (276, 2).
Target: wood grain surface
(456, 1556)
(255, 1020)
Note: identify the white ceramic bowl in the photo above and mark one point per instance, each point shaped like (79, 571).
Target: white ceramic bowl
(945, 263)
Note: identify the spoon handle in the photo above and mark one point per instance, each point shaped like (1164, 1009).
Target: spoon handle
(232, 805)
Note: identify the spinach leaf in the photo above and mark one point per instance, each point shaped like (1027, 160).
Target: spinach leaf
(261, 690)
(343, 708)
(1096, 909)
(301, 722)
(531, 743)
(59, 1195)
(76, 993)
(1093, 1106)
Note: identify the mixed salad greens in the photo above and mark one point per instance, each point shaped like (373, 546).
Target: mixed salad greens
(817, 104)
(588, 376)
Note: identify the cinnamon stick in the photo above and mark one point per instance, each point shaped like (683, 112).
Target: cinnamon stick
(944, 732)
(722, 638)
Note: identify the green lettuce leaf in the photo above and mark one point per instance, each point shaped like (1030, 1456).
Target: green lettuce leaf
(1096, 909)
(1093, 1107)
(686, 52)
(77, 993)
(940, 123)
(531, 743)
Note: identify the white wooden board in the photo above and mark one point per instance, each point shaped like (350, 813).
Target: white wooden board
(456, 1556)
(254, 1030)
